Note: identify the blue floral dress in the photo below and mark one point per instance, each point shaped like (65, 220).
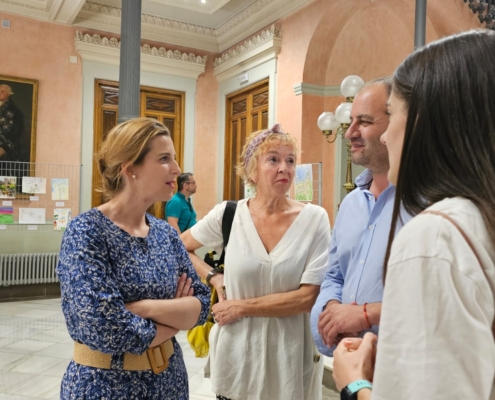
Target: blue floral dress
(101, 267)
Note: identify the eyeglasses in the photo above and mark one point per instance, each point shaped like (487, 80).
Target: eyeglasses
(193, 182)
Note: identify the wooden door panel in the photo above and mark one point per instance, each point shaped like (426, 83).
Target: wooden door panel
(247, 111)
(164, 105)
(264, 120)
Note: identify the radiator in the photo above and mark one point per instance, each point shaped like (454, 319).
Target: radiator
(25, 269)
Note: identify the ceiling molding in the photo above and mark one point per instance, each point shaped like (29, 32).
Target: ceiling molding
(96, 8)
(30, 8)
(91, 15)
(256, 16)
(248, 45)
(205, 8)
(53, 8)
(107, 18)
(316, 90)
(219, 6)
(159, 60)
(63, 11)
(253, 52)
(68, 11)
(38, 5)
(252, 19)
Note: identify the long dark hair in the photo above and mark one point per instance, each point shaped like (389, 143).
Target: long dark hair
(449, 142)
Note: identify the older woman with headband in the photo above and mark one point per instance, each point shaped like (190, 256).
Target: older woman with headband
(436, 328)
(261, 346)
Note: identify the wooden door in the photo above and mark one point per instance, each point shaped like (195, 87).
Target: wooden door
(165, 105)
(105, 118)
(247, 111)
(168, 108)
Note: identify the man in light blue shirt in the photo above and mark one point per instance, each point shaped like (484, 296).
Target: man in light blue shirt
(350, 298)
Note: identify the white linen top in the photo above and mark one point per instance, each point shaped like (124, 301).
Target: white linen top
(262, 358)
(436, 339)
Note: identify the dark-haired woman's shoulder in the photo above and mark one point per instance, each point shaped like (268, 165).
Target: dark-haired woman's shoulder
(434, 236)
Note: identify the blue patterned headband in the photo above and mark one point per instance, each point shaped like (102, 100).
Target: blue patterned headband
(255, 143)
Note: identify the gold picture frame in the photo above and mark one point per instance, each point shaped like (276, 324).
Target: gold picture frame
(25, 100)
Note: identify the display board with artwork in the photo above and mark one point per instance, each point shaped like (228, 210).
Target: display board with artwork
(307, 183)
(38, 196)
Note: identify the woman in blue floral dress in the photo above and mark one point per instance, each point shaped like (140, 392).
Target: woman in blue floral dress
(126, 279)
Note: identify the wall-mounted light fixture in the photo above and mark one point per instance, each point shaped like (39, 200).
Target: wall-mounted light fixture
(339, 122)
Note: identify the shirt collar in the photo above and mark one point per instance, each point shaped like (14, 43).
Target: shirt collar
(364, 179)
(183, 196)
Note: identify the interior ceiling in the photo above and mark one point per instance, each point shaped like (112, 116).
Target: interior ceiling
(212, 25)
(211, 14)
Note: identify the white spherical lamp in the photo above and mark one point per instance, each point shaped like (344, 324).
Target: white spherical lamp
(351, 85)
(343, 113)
(327, 122)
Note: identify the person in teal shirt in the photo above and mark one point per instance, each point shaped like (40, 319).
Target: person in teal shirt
(179, 211)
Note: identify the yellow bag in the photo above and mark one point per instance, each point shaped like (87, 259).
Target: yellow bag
(198, 336)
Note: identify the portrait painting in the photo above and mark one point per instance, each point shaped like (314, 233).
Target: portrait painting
(18, 107)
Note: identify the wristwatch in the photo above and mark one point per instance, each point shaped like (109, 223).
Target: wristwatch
(350, 392)
(211, 274)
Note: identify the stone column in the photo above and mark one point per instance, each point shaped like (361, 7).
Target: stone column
(130, 60)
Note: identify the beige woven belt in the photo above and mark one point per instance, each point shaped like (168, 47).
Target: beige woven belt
(156, 358)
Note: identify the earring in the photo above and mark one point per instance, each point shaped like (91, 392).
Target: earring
(133, 176)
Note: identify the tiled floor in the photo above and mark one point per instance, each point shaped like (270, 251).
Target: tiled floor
(35, 349)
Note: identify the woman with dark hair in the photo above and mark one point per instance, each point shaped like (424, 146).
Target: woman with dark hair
(436, 339)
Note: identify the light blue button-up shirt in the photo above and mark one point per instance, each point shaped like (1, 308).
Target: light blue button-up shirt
(357, 251)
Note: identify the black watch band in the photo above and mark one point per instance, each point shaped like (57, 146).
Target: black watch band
(211, 274)
(346, 394)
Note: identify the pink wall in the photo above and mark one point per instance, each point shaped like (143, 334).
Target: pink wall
(40, 50)
(328, 40)
(322, 43)
(296, 36)
(206, 157)
(46, 58)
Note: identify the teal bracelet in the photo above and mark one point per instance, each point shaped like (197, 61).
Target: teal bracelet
(356, 386)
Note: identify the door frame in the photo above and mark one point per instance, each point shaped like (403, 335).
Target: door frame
(98, 135)
(230, 99)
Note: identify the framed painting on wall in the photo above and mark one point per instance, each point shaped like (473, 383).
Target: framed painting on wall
(18, 108)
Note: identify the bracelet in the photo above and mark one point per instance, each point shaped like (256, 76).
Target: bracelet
(366, 316)
(211, 274)
(356, 386)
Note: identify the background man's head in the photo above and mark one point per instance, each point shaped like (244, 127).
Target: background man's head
(5, 92)
(369, 119)
(186, 184)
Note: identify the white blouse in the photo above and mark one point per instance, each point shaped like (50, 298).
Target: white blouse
(267, 358)
(435, 338)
